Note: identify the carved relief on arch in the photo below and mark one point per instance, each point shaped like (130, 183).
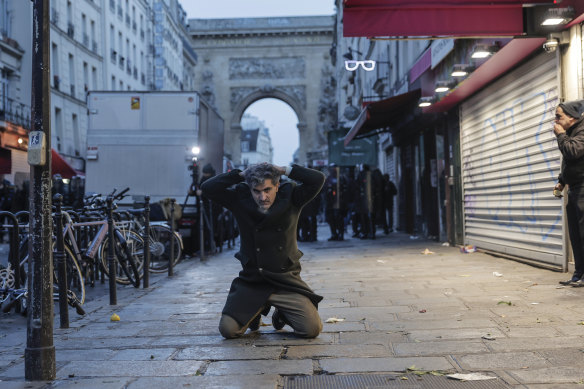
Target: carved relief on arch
(291, 94)
(243, 97)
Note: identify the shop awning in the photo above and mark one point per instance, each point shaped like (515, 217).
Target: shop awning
(455, 18)
(501, 62)
(384, 113)
(62, 167)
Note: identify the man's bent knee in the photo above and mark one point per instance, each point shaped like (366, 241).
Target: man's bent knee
(310, 329)
(229, 327)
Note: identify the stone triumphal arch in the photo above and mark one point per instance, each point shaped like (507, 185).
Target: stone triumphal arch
(244, 60)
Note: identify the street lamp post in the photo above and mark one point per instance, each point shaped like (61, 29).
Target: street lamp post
(39, 355)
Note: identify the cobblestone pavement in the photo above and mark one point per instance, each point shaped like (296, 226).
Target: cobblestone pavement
(402, 312)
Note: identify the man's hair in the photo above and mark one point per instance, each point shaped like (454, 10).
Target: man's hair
(257, 174)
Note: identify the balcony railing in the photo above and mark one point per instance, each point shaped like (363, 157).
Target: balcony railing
(15, 112)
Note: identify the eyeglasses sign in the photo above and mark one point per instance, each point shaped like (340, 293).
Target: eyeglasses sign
(367, 65)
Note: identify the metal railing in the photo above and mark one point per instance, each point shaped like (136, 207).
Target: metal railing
(15, 112)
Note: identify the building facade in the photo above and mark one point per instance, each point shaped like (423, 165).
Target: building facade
(256, 144)
(467, 136)
(95, 45)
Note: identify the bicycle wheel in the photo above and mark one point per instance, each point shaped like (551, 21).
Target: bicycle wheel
(75, 280)
(126, 262)
(161, 237)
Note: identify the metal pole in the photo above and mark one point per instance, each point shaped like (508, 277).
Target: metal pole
(146, 237)
(61, 263)
(171, 238)
(201, 227)
(39, 355)
(110, 253)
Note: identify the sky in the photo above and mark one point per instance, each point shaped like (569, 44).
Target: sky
(278, 116)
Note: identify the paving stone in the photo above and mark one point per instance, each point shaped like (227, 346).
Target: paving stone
(130, 369)
(570, 357)
(334, 351)
(359, 365)
(502, 361)
(283, 366)
(217, 353)
(462, 333)
(140, 354)
(93, 383)
(517, 344)
(550, 375)
(371, 337)
(22, 384)
(439, 348)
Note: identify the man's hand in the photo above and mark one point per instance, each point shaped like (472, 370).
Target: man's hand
(558, 129)
(558, 190)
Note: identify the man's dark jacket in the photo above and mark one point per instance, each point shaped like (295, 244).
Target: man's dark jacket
(571, 145)
(269, 253)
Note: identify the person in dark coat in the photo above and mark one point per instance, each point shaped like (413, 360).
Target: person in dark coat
(389, 190)
(569, 130)
(366, 202)
(335, 190)
(267, 214)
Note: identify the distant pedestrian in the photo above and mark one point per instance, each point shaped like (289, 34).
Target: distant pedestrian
(335, 192)
(569, 130)
(365, 203)
(267, 213)
(389, 191)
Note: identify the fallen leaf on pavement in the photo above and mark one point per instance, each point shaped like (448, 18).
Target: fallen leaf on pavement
(427, 252)
(505, 302)
(333, 320)
(115, 317)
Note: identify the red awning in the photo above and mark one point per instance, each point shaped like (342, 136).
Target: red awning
(456, 18)
(385, 113)
(62, 167)
(504, 60)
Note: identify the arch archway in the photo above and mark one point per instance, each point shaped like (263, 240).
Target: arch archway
(263, 93)
(289, 56)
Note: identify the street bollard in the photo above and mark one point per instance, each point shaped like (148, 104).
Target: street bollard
(171, 256)
(110, 253)
(146, 237)
(59, 258)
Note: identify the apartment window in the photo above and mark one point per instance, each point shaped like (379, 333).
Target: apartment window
(93, 78)
(92, 32)
(84, 30)
(55, 66)
(58, 127)
(113, 82)
(72, 74)
(74, 148)
(4, 18)
(85, 76)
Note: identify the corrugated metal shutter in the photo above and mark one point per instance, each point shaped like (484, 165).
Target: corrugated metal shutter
(510, 165)
(20, 167)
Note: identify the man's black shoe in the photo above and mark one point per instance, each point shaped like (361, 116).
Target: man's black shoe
(278, 321)
(570, 281)
(255, 323)
(578, 284)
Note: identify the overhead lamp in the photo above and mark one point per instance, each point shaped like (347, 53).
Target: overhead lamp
(461, 70)
(557, 16)
(425, 101)
(442, 86)
(483, 51)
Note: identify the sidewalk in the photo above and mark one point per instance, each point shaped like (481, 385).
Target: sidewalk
(435, 313)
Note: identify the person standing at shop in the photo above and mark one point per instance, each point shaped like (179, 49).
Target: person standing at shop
(569, 130)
